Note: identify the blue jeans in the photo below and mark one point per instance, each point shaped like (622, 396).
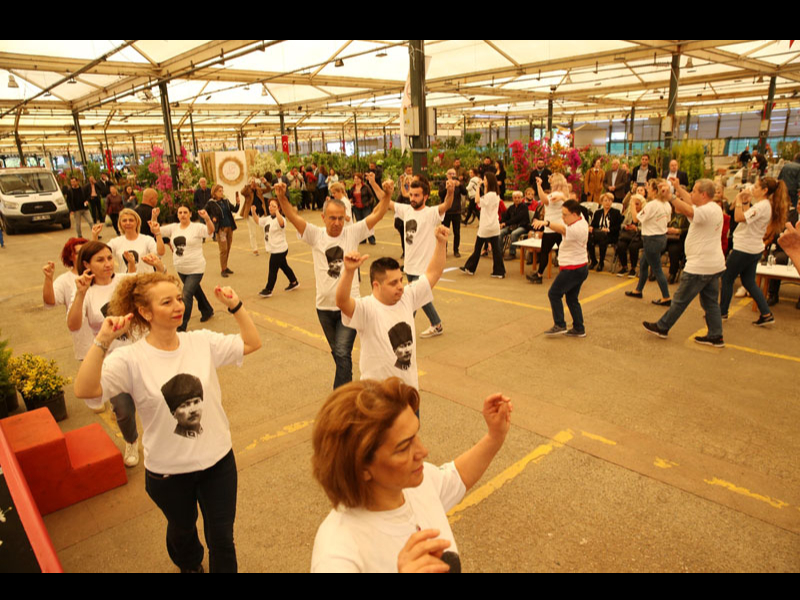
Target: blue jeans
(340, 339)
(515, 235)
(429, 308)
(568, 283)
(653, 247)
(744, 265)
(707, 286)
(191, 290)
(178, 496)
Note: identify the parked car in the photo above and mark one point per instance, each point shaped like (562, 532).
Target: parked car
(29, 196)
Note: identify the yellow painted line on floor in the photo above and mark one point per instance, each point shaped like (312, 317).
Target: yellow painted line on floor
(285, 325)
(610, 290)
(763, 353)
(294, 427)
(598, 438)
(508, 475)
(663, 463)
(744, 492)
(492, 298)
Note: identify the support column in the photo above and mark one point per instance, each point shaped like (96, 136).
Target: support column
(674, 79)
(419, 143)
(630, 134)
(135, 153)
(766, 117)
(550, 118)
(355, 139)
(194, 139)
(79, 135)
(688, 122)
(173, 154)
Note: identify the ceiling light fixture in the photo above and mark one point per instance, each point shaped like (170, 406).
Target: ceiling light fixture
(339, 63)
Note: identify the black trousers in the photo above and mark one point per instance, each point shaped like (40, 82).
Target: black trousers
(454, 219)
(278, 262)
(548, 241)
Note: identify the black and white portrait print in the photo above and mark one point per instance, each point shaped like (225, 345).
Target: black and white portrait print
(184, 397)
(133, 253)
(266, 232)
(402, 341)
(104, 312)
(411, 231)
(335, 256)
(179, 243)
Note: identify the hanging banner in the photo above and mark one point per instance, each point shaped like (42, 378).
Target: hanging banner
(109, 161)
(285, 144)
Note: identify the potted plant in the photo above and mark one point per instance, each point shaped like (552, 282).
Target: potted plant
(39, 383)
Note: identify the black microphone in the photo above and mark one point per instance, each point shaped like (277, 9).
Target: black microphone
(452, 559)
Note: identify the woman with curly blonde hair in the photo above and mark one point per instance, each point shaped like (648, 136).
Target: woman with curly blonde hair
(171, 378)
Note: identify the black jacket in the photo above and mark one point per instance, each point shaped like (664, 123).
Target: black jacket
(76, 200)
(516, 216)
(615, 222)
(459, 193)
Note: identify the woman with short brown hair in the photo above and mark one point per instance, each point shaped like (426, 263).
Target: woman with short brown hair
(389, 507)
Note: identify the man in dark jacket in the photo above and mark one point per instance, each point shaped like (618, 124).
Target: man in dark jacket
(790, 175)
(542, 172)
(644, 172)
(78, 204)
(516, 222)
(453, 214)
(202, 195)
(93, 192)
(616, 181)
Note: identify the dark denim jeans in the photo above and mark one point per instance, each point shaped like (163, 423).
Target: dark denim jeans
(214, 489)
(340, 339)
(191, 290)
(429, 309)
(744, 265)
(707, 286)
(653, 247)
(568, 283)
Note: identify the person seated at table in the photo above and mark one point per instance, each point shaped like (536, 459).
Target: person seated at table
(781, 258)
(389, 506)
(515, 222)
(530, 199)
(603, 230)
(630, 238)
(536, 231)
(677, 230)
(626, 202)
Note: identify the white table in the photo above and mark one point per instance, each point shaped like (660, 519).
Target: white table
(533, 244)
(765, 274)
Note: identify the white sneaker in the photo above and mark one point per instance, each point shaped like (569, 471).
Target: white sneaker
(131, 455)
(432, 331)
(741, 292)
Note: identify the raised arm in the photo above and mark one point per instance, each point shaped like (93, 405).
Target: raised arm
(439, 258)
(289, 210)
(543, 197)
(209, 223)
(384, 196)
(743, 203)
(247, 329)
(682, 200)
(448, 199)
(88, 379)
(155, 229)
(473, 463)
(344, 302)
(48, 293)
(75, 315)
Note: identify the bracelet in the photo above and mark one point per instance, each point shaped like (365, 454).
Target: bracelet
(236, 308)
(100, 345)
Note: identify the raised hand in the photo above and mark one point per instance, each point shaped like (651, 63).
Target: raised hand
(227, 296)
(114, 328)
(353, 260)
(497, 414)
(97, 229)
(84, 282)
(202, 214)
(422, 553)
(49, 269)
(442, 233)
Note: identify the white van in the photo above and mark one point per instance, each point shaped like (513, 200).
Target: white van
(30, 196)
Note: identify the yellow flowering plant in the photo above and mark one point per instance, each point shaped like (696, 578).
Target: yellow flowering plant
(36, 377)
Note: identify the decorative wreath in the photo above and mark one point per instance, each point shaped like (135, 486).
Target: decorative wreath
(221, 171)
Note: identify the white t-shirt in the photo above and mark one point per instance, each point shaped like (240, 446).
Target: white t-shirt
(749, 236)
(552, 210)
(140, 370)
(64, 291)
(387, 333)
(703, 247)
(348, 210)
(274, 235)
(489, 225)
(572, 250)
(142, 245)
(328, 254)
(187, 247)
(418, 228)
(356, 540)
(654, 217)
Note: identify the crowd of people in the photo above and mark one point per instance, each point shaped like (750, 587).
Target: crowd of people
(129, 318)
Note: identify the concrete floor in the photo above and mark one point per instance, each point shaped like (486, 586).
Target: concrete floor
(626, 453)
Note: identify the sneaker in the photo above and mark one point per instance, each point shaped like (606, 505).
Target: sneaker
(265, 293)
(224, 273)
(724, 317)
(575, 333)
(706, 340)
(534, 278)
(292, 286)
(632, 274)
(556, 330)
(501, 276)
(229, 272)
(465, 270)
(741, 292)
(432, 331)
(764, 320)
(622, 272)
(632, 294)
(207, 317)
(131, 455)
(655, 329)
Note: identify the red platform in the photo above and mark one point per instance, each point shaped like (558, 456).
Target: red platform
(62, 469)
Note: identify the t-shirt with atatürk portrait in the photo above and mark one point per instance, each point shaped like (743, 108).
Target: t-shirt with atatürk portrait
(419, 227)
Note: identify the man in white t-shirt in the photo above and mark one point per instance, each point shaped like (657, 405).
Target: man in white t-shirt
(420, 222)
(329, 245)
(705, 262)
(385, 320)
